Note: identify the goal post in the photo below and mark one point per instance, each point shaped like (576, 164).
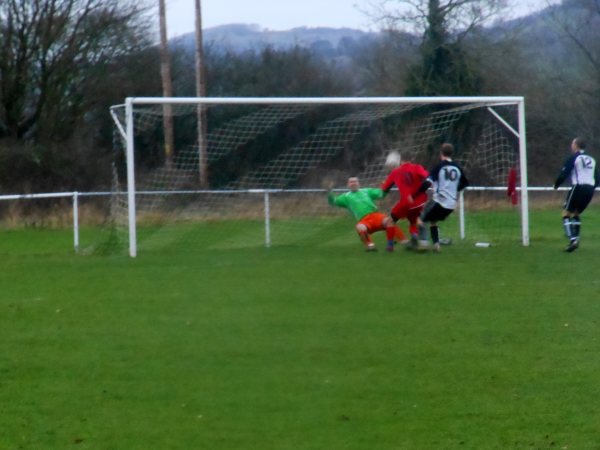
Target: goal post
(280, 145)
(522, 137)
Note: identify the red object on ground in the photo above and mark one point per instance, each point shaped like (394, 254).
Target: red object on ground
(511, 190)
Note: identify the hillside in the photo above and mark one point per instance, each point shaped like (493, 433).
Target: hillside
(534, 29)
(241, 37)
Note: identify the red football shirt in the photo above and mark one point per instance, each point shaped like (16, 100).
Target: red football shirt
(408, 178)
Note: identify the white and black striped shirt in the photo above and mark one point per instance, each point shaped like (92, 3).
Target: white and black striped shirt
(582, 170)
(447, 179)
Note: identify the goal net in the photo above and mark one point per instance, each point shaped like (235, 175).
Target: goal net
(251, 172)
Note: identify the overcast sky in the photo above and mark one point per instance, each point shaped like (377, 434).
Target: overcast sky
(287, 14)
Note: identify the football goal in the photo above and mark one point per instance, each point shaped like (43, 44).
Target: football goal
(240, 172)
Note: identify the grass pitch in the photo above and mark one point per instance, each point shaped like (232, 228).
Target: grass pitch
(301, 347)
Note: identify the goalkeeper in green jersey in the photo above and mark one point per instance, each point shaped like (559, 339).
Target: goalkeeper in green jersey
(360, 202)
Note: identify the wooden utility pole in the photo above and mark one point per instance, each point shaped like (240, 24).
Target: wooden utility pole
(167, 84)
(201, 92)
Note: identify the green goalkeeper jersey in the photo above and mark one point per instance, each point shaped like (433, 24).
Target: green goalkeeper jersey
(360, 203)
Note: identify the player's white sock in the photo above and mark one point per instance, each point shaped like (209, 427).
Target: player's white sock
(567, 227)
(575, 227)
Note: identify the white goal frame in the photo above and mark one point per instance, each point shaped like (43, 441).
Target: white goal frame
(128, 134)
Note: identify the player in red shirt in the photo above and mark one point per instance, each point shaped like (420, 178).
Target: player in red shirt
(408, 178)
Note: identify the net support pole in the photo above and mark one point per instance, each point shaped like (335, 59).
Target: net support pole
(523, 166)
(130, 179)
(461, 214)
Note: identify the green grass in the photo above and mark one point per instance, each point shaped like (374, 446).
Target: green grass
(301, 347)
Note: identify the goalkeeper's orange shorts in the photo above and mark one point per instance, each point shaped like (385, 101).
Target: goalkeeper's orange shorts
(373, 222)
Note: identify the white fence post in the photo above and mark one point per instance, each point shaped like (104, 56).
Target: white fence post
(461, 214)
(267, 220)
(76, 221)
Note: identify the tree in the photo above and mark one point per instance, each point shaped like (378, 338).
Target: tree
(201, 92)
(50, 52)
(444, 67)
(62, 64)
(268, 72)
(577, 70)
(167, 82)
(380, 64)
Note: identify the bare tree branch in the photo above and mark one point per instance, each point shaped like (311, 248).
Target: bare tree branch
(47, 48)
(444, 25)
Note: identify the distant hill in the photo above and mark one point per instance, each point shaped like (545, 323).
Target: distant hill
(535, 32)
(328, 41)
(241, 37)
(539, 34)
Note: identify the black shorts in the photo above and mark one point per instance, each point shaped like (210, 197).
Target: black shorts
(579, 197)
(434, 212)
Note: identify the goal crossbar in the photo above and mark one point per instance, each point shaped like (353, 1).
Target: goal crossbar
(493, 100)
